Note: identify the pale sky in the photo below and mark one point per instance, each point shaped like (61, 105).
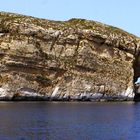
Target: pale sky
(119, 13)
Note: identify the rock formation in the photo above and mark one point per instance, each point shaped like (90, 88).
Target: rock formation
(66, 60)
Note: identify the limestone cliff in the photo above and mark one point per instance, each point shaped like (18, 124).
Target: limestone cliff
(65, 60)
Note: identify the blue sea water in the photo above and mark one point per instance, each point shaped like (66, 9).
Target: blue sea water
(69, 121)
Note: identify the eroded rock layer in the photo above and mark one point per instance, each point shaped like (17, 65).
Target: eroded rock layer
(72, 60)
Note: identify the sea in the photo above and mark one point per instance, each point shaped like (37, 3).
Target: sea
(69, 121)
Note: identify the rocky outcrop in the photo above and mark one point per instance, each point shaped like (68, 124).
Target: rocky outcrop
(66, 60)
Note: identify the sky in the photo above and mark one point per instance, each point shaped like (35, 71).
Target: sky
(120, 13)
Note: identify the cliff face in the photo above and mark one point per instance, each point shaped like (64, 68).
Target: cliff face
(72, 60)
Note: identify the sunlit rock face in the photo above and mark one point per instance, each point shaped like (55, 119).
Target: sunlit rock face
(72, 60)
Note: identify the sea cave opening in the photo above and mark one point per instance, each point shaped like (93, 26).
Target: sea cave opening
(137, 89)
(136, 81)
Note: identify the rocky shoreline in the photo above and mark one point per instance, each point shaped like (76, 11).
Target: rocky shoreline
(30, 95)
(74, 60)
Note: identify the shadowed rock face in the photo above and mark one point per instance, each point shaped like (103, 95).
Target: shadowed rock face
(72, 60)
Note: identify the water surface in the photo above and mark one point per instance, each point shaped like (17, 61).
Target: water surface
(69, 121)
